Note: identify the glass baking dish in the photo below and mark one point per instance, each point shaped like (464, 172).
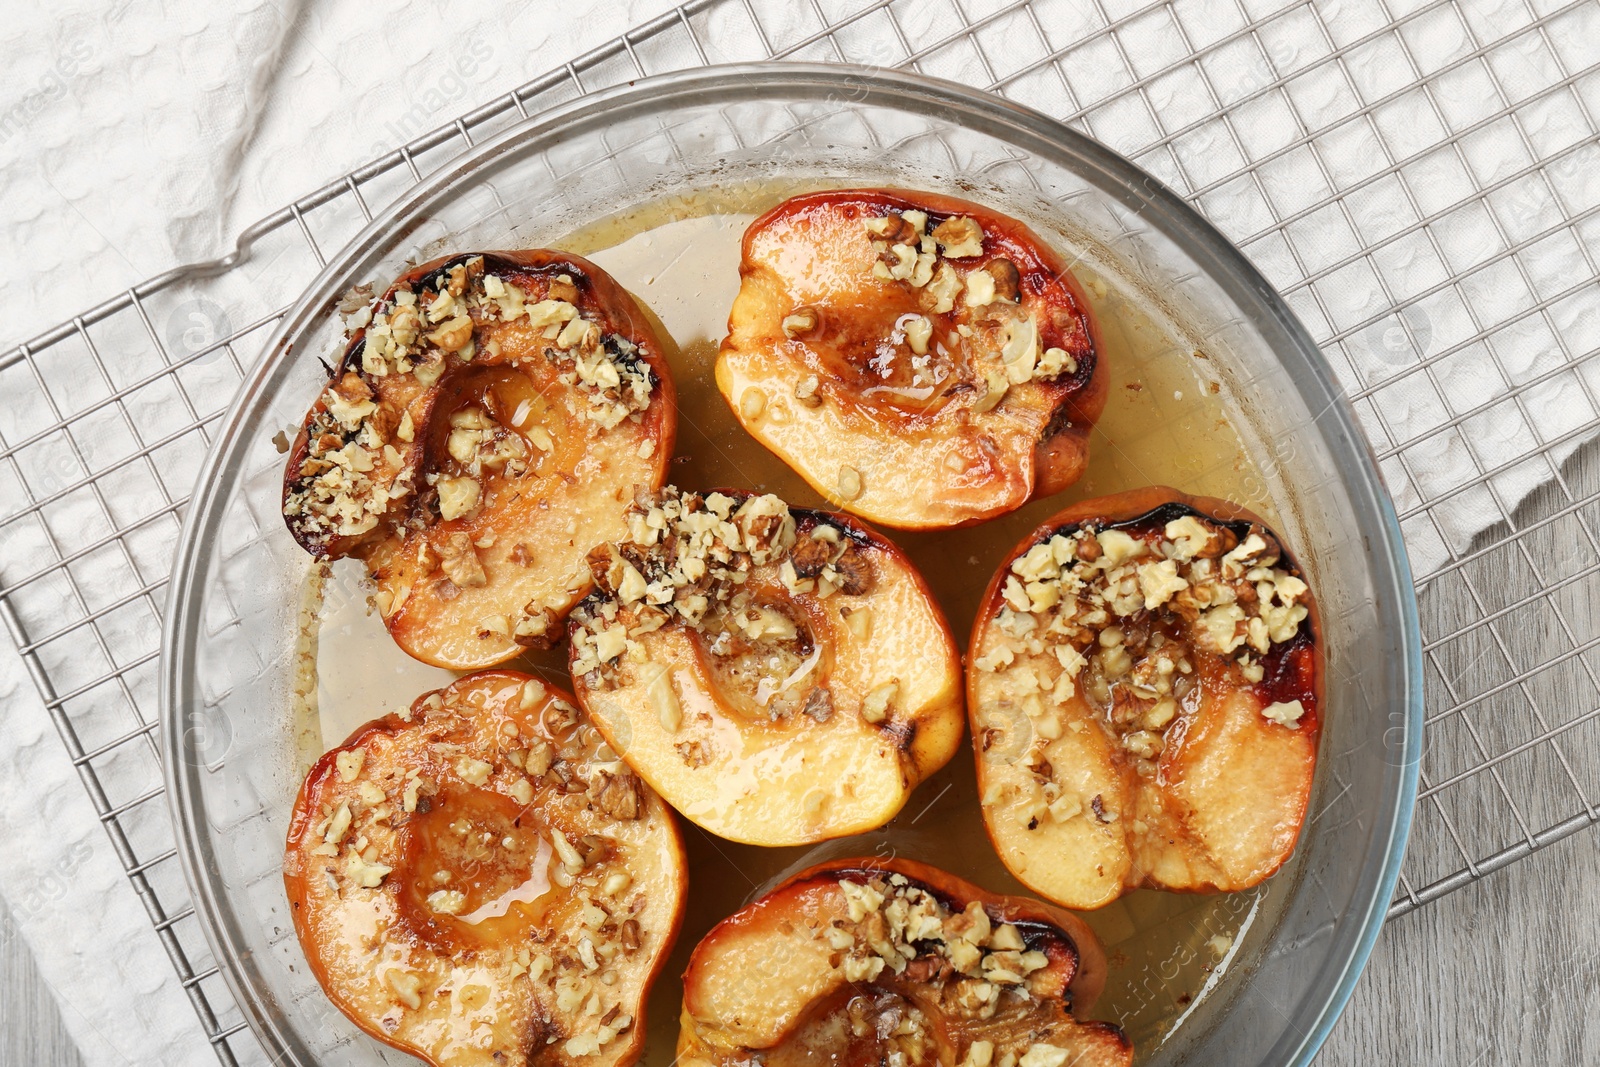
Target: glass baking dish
(1217, 388)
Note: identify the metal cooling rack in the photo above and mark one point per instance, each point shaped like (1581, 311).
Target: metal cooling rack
(122, 397)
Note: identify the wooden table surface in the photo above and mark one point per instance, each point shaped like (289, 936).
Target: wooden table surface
(31, 1031)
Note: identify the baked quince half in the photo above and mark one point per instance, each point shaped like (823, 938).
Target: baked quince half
(923, 361)
(483, 431)
(1145, 685)
(864, 962)
(481, 882)
(779, 675)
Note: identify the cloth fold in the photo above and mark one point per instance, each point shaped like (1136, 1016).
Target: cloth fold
(136, 138)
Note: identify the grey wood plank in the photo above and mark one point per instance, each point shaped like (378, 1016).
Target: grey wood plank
(1505, 971)
(31, 1031)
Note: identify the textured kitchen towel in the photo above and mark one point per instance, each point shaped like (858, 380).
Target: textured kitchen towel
(136, 137)
(1426, 193)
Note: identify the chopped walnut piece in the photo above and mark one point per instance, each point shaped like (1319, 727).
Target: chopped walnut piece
(811, 554)
(979, 289)
(855, 575)
(349, 763)
(447, 901)
(1007, 279)
(939, 295)
(1284, 713)
(893, 228)
(473, 771)
(1054, 363)
(819, 704)
(522, 791)
(349, 400)
(1043, 1056)
(615, 794)
(1190, 537)
(536, 626)
(801, 320)
(457, 496)
(959, 237)
(1020, 349)
(850, 485)
(877, 704)
(406, 985)
(664, 697)
(806, 391)
(859, 622)
(918, 333)
(454, 335)
(364, 874)
(979, 1054)
(459, 561)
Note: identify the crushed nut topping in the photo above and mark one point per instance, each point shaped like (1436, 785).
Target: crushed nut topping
(876, 706)
(509, 762)
(1118, 615)
(898, 929)
(1284, 713)
(752, 403)
(350, 764)
(986, 302)
(447, 901)
(688, 558)
(458, 559)
(801, 320)
(336, 493)
(406, 985)
(580, 965)
(850, 484)
(362, 453)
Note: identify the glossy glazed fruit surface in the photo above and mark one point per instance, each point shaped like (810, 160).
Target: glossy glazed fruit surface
(921, 361)
(861, 962)
(483, 431)
(480, 881)
(1144, 690)
(780, 675)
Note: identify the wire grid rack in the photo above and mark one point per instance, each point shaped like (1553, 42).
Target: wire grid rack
(109, 412)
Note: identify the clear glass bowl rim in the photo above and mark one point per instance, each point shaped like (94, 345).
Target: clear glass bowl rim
(1039, 134)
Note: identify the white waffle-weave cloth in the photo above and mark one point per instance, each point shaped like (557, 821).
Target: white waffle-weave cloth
(134, 138)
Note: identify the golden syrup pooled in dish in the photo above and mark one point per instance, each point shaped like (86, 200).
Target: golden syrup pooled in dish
(1169, 420)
